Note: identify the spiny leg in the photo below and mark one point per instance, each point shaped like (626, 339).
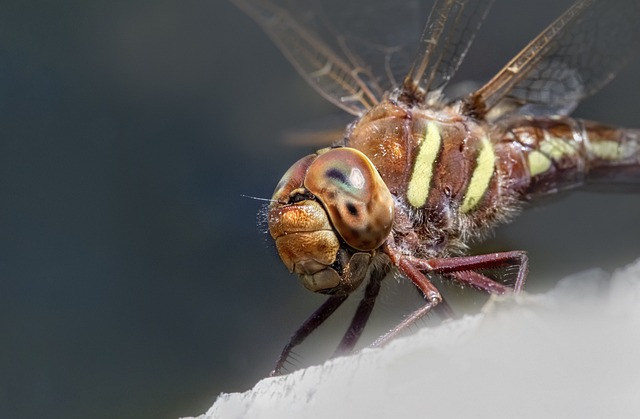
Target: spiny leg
(429, 292)
(463, 269)
(480, 282)
(316, 319)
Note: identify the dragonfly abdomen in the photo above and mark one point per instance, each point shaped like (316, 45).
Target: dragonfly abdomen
(563, 153)
(614, 153)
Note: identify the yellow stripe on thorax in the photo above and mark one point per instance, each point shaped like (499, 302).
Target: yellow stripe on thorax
(481, 176)
(418, 188)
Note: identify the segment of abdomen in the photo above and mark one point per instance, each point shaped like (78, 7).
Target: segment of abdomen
(562, 153)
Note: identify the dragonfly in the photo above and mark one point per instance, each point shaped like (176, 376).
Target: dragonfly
(416, 177)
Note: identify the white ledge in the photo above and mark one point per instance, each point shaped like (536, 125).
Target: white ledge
(573, 352)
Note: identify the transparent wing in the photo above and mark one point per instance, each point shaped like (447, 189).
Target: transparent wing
(351, 52)
(447, 36)
(573, 58)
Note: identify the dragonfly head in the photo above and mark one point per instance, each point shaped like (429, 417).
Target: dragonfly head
(329, 212)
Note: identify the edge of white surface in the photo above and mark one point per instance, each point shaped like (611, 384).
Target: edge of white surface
(573, 351)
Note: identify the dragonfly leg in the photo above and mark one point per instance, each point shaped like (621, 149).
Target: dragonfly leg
(362, 314)
(316, 319)
(429, 292)
(463, 269)
(480, 282)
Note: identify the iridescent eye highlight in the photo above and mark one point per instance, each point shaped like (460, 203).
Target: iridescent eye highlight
(356, 198)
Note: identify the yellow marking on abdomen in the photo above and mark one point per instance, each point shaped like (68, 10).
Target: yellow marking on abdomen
(418, 188)
(538, 163)
(556, 148)
(606, 150)
(481, 176)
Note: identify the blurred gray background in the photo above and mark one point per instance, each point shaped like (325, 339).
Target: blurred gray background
(135, 281)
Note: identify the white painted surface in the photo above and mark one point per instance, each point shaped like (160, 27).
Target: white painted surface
(574, 352)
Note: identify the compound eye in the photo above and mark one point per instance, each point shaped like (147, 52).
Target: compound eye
(292, 180)
(356, 198)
